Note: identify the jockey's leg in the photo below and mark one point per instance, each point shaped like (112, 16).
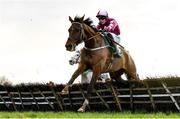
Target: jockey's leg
(117, 52)
(115, 38)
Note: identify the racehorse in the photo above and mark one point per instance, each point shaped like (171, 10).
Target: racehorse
(96, 56)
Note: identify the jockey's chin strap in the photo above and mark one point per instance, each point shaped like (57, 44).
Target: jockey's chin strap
(94, 49)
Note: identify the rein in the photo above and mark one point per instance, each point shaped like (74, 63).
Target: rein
(92, 37)
(94, 49)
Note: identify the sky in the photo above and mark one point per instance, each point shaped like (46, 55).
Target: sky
(33, 34)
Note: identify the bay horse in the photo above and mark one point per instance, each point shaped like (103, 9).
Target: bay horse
(95, 56)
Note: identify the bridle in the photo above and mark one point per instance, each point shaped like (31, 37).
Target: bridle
(82, 36)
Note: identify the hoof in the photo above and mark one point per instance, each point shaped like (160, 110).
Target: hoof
(81, 110)
(64, 92)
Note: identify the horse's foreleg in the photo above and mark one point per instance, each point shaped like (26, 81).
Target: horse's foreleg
(73, 77)
(89, 91)
(83, 107)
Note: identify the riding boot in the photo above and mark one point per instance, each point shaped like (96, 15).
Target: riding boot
(117, 52)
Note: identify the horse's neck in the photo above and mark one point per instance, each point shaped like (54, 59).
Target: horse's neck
(93, 39)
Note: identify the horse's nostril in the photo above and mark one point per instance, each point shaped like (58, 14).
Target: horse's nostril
(69, 46)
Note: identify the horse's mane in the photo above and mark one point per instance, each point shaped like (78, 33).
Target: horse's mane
(87, 21)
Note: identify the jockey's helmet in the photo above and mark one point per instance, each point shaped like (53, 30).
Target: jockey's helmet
(102, 13)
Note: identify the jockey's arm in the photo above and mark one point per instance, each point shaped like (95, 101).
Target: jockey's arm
(99, 27)
(111, 26)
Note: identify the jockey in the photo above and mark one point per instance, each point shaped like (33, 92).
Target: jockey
(111, 26)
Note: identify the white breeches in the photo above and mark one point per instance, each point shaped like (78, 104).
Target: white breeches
(116, 38)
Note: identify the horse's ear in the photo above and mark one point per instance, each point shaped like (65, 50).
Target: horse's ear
(82, 18)
(70, 19)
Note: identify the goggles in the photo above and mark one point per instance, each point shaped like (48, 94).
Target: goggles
(102, 17)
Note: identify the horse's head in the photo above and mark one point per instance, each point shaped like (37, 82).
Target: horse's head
(79, 31)
(76, 34)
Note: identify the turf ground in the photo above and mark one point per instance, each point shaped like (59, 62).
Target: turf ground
(87, 115)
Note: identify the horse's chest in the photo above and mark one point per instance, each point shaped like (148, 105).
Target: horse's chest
(90, 59)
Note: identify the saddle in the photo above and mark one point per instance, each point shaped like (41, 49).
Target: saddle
(108, 38)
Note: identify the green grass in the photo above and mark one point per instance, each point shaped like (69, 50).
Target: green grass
(86, 115)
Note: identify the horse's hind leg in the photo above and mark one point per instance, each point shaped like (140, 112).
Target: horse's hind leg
(134, 79)
(131, 75)
(117, 76)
